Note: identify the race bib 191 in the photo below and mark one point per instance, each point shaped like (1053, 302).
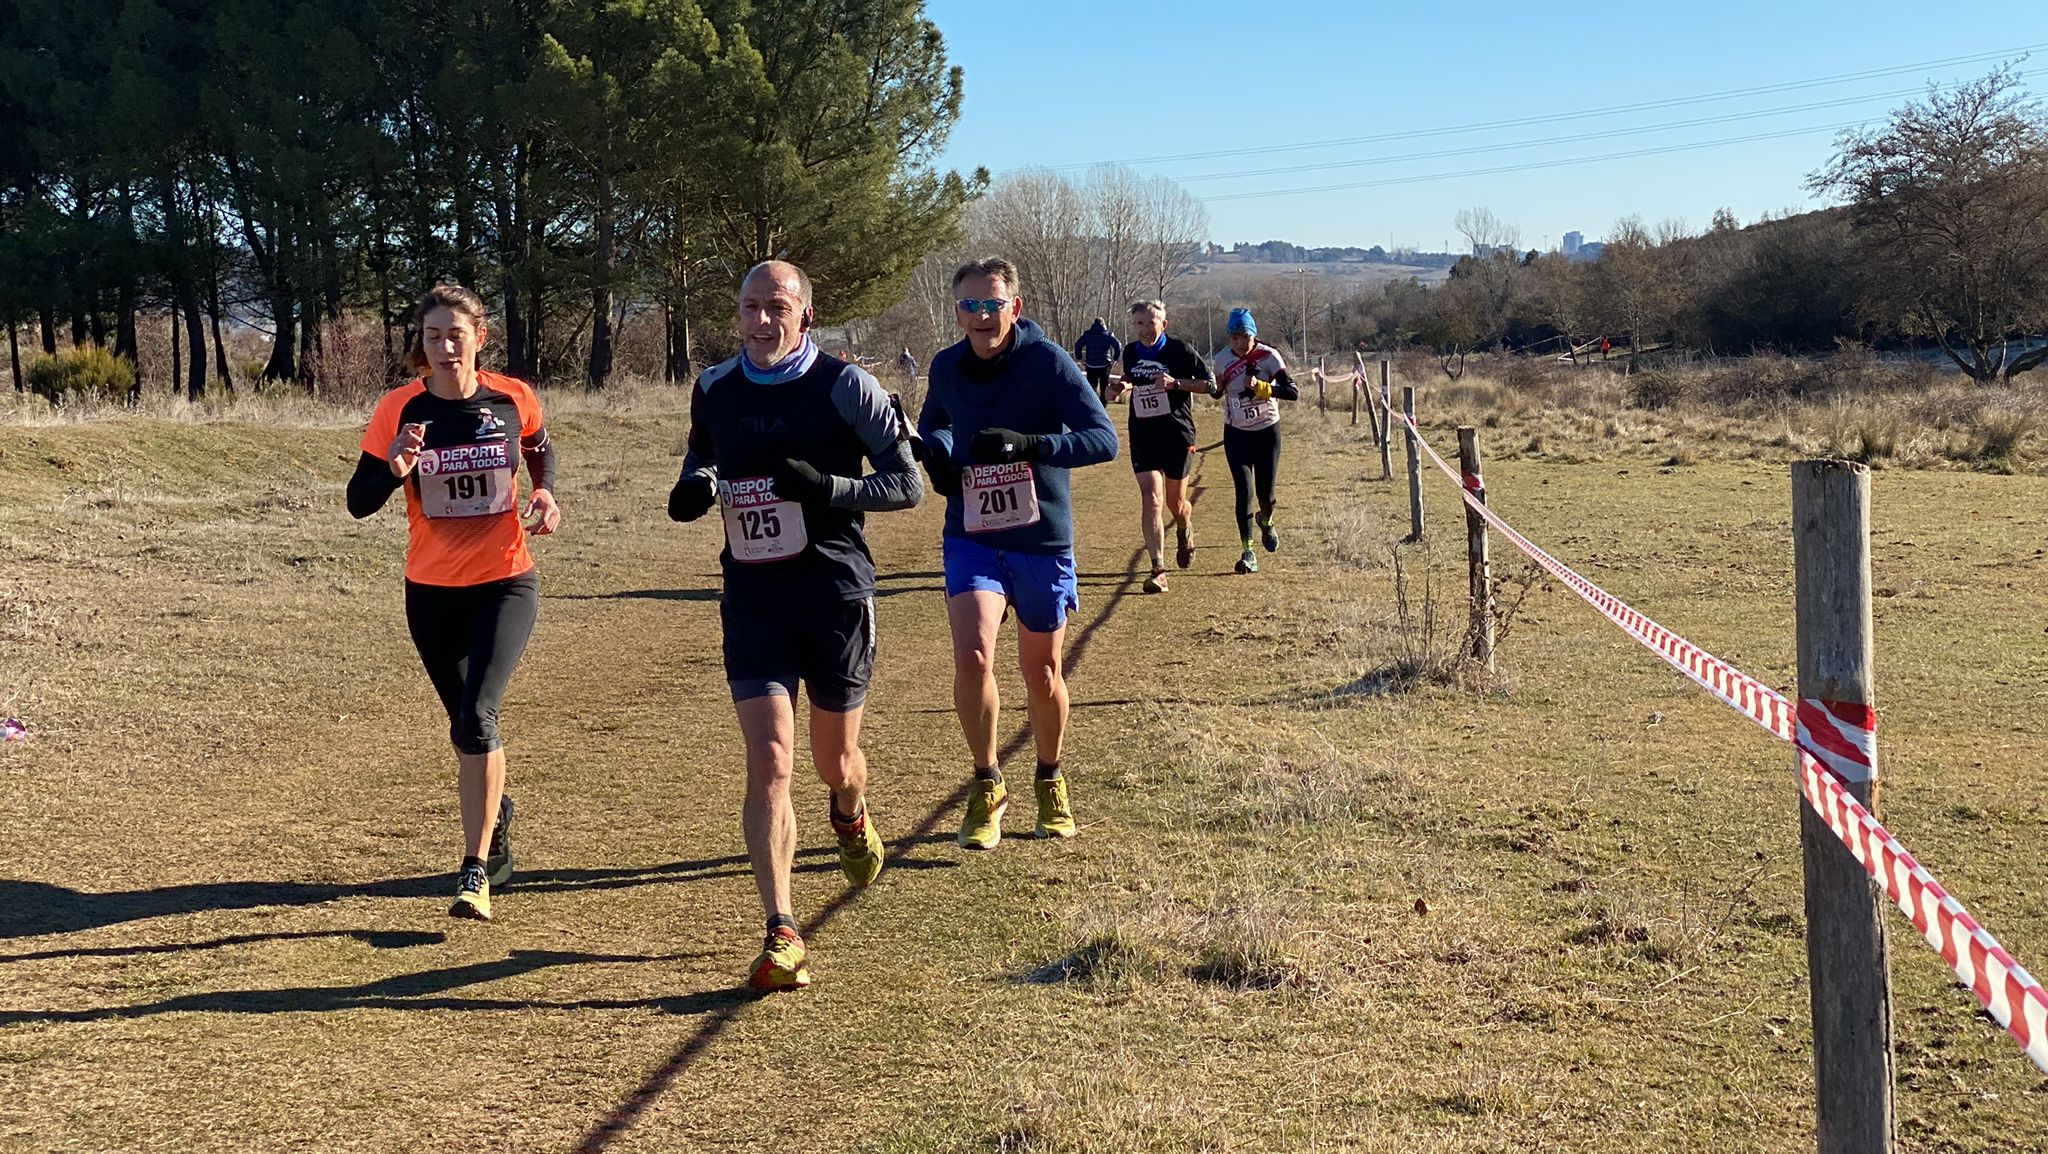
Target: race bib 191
(998, 497)
(466, 480)
(758, 525)
(1149, 400)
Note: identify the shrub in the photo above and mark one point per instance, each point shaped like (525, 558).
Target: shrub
(2000, 431)
(90, 371)
(1657, 389)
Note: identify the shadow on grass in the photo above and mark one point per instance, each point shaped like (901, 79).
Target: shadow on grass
(375, 939)
(32, 908)
(712, 595)
(426, 990)
(623, 1116)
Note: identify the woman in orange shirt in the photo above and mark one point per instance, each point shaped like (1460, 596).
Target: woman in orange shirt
(470, 594)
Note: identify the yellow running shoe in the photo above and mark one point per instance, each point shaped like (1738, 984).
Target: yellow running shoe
(1055, 815)
(781, 965)
(472, 895)
(860, 849)
(982, 828)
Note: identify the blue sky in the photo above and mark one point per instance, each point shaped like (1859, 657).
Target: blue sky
(1063, 84)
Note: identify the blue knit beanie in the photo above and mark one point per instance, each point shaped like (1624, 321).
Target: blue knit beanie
(1241, 322)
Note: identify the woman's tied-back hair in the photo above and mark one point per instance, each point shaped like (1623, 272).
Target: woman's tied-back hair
(453, 297)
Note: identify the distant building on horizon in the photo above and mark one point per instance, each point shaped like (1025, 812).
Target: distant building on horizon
(1572, 242)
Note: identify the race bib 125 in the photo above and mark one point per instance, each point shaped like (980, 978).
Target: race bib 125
(758, 525)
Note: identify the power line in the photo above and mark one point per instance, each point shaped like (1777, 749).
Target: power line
(1576, 138)
(1540, 164)
(1552, 118)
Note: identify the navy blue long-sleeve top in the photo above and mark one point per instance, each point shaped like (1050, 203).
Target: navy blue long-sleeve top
(1031, 387)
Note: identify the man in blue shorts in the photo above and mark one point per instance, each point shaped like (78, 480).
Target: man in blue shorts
(1007, 413)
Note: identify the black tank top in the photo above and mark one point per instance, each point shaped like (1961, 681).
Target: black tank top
(753, 428)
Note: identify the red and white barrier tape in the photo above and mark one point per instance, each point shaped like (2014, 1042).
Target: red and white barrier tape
(1837, 743)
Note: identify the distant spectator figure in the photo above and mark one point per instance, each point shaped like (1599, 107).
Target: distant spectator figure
(1095, 349)
(907, 363)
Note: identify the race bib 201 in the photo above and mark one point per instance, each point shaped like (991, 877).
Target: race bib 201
(998, 497)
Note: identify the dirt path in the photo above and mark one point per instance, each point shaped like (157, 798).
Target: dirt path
(229, 842)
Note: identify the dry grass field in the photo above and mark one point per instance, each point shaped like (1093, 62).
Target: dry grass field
(1317, 904)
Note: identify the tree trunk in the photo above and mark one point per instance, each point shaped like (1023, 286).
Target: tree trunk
(177, 354)
(311, 371)
(536, 332)
(126, 342)
(683, 349)
(14, 356)
(195, 337)
(507, 203)
(600, 366)
(220, 348)
(465, 227)
(283, 364)
(47, 320)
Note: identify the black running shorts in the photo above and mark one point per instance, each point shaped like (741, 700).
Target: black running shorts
(828, 645)
(1164, 449)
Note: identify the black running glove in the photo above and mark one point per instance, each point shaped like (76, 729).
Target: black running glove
(945, 477)
(1001, 446)
(692, 497)
(798, 481)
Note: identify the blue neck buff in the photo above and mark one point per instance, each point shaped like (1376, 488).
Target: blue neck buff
(789, 368)
(1155, 348)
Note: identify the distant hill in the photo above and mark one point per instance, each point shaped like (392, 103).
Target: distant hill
(1232, 278)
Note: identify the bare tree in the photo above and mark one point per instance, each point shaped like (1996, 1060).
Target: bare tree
(1176, 227)
(1949, 204)
(1038, 220)
(1117, 209)
(1632, 287)
(1484, 231)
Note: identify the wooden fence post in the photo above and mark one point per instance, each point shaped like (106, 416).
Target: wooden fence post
(1386, 427)
(1414, 464)
(1849, 982)
(1322, 397)
(1477, 561)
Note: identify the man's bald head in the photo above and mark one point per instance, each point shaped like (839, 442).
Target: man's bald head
(775, 311)
(782, 274)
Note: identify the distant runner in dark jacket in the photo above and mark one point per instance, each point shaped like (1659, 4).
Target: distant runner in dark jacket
(1096, 350)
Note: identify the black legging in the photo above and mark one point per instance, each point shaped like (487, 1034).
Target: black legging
(470, 638)
(1254, 458)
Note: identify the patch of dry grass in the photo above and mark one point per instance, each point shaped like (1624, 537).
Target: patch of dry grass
(1296, 919)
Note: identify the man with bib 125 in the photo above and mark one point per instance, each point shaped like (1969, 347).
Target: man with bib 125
(1006, 415)
(1163, 372)
(777, 438)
